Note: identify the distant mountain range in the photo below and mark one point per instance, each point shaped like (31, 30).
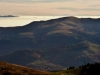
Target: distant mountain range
(52, 45)
(8, 16)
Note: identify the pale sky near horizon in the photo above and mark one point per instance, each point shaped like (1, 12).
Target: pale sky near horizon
(50, 7)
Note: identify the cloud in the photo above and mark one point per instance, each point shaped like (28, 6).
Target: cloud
(16, 1)
(36, 1)
(50, 7)
(94, 6)
(51, 0)
(78, 9)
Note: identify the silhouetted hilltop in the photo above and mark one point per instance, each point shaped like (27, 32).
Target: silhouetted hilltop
(90, 69)
(87, 69)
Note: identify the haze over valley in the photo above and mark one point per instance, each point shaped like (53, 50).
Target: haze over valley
(13, 20)
(22, 20)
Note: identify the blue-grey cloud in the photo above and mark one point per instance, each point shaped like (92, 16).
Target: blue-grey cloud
(79, 9)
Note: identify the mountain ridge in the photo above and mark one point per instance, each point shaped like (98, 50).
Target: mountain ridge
(60, 43)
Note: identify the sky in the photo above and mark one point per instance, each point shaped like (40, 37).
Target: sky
(50, 7)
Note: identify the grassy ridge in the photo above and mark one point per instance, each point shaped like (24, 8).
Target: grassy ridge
(67, 72)
(12, 69)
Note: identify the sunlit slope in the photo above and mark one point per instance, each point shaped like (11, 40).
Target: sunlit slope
(13, 69)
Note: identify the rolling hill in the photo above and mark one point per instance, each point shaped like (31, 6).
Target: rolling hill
(13, 69)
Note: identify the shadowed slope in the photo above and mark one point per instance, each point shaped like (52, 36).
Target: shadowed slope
(60, 42)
